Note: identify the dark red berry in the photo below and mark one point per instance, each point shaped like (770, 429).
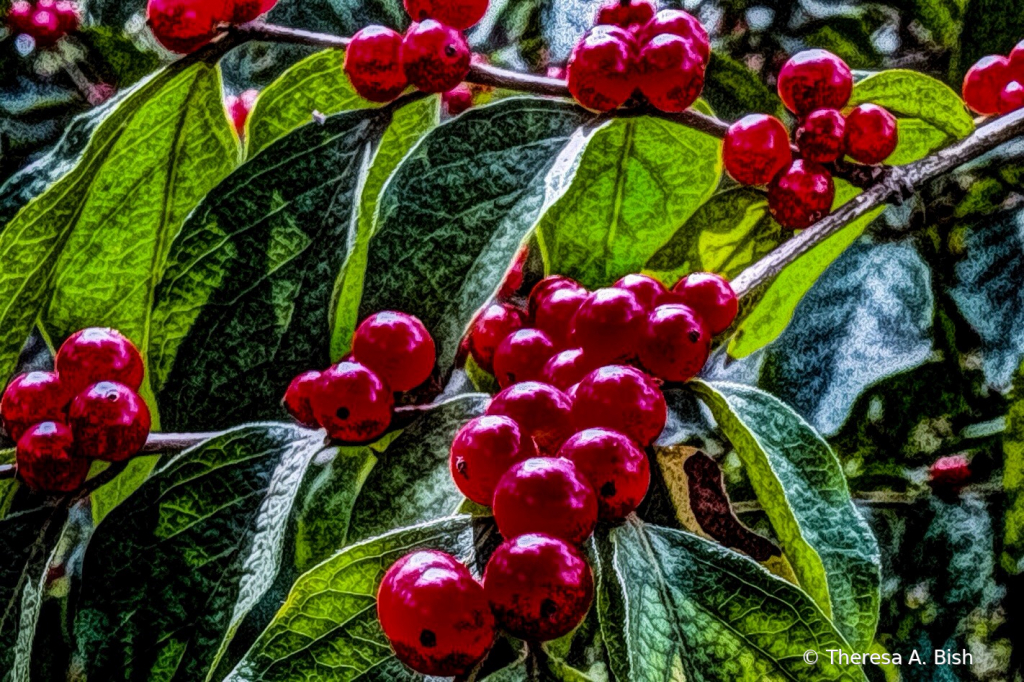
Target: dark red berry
(801, 195)
(373, 64)
(98, 354)
(608, 325)
(492, 325)
(435, 57)
(711, 297)
(239, 108)
(676, 343)
(820, 136)
(815, 79)
(457, 100)
(1011, 98)
(756, 148)
(44, 27)
(352, 402)
(984, 82)
(545, 495)
(671, 73)
(541, 410)
(435, 614)
(459, 14)
(546, 287)
(555, 311)
(243, 11)
(69, 16)
(1016, 59)
(183, 26)
(483, 450)
(110, 422)
(297, 396)
(601, 67)
(952, 471)
(397, 347)
(568, 368)
(32, 398)
(632, 15)
(617, 469)
(521, 356)
(19, 16)
(649, 292)
(539, 587)
(623, 399)
(513, 280)
(871, 133)
(679, 23)
(46, 461)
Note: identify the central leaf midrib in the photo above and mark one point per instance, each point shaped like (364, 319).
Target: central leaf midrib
(620, 194)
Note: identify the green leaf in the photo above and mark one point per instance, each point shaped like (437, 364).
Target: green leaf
(119, 54)
(673, 606)
(244, 304)
(800, 485)
(637, 181)
(911, 94)
(1013, 481)
(734, 90)
(171, 573)
(328, 628)
(315, 84)
(918, 139)
(410, 123)
(455, 211)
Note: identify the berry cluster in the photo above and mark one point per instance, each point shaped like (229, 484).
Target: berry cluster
(995, 84)
(46, 21)
(86, 409)
(391, 353)
(184, 26)
(633, 48)
(815, 85)
(239, 107)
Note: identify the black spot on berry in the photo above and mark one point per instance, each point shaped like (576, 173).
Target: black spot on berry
(449, 50)
(460, 466)
(428, 638)
(548, 608)
(342, 413)
(694, 336)
(608, 489)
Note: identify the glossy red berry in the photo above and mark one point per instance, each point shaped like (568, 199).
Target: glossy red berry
(459, 14)
(32, 398)
(871, 133)
(679, 23)
(984, 82)
(110, 422)
(676, 344)
(547, 286)
(46, 461)
(801, 195)
(19, 16)
(756, 149)
(608, 325)
(814, 79)
(352, 402)
(69, 16)
(435, 57)
(44, 27)
(820, 136)
(483, 451)
(397, 347)
(491, 326)
(623, 399)
(617, 469)
(521, 356)
(632, 15)
(541, 410)
(600, 72)
(555, 311)
(952, 471)
(435, 614)
(671, 73)
(239, 108)
(184, 26)
(539, 587)
(457, 100)
(373, 64)
(98, 354)
(297, 397)
(242, 11)
(710, 296)
(1016, 59)
(545, 495)
(649, 292)
(1011, 98)
(567, 368)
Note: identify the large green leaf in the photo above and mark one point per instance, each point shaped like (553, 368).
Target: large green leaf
(800, 484)
(328, 628)
(637, 181)
(911, 94)
(245, 301)
(674, 606)
(734, 90)
(453, 214)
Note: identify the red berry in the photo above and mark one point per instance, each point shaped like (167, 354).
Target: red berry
(568, 368)
(649, 292)
(547, 286)
(483, 450)
(555, 311)
(671, 73)
(521, 356)
(45, 459)
(239, 108)
(1016, 59)
(541, 410)
(184, 26)
(490, 328)
(801, 195)
(243, 11)
(756, 148)
(711, 297)
(617, 469)
(397, 347)
(457, 100)
(871, 133)
(297, 396)
(633, 15)
(539, 587)
(32, 398)
(69, 16)
(1011, 98)
(815, 79)
(600, 69)
(676, 343)
(19, 16)
(984, 82)
(952, 471)
(98, 354)
(679, 23)
(110, 422)
(435, 614)
(435, 57)
(352, 402)
(513, 280)
(545, 495)
(373, 64)
(459, 14)
(44, 27)
(620, 398)
(820, 136)
(608, 325)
